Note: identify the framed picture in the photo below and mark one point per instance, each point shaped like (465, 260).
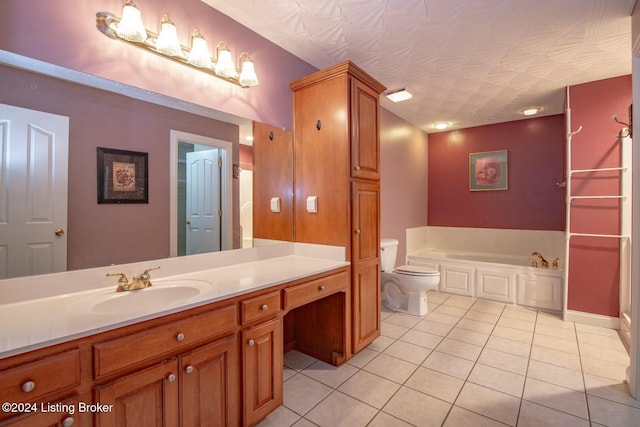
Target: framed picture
(122, 176)
(488, 171)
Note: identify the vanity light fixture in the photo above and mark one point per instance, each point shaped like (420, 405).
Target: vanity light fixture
(531, 111)
(399, 95)
(441, 125)
(130, 29)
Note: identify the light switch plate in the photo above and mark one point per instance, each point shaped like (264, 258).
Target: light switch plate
(312, 204)
(275, 204)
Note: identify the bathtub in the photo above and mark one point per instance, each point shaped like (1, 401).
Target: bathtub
(498, 277)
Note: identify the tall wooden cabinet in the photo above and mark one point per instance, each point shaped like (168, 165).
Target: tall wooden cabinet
(337, 179)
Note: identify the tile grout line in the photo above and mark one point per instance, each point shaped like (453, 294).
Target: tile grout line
(584, 382)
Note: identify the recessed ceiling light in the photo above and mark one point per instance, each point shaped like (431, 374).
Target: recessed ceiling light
(399, 95)
(441, 125)
(531, 111)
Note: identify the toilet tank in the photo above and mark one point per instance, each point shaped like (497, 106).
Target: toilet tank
(388, 251)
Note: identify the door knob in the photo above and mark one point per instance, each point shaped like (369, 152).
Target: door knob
(59, 232)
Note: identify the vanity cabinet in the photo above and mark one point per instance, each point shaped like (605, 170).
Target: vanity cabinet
(210, 385)
(262, 364)
(148, 397)
(220, 364)
(337, 173)
(50, 416)
(31, 384)
(189, 388)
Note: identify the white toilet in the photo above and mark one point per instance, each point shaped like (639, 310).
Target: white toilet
(405, 287)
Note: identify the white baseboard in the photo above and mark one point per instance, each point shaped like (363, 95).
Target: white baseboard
(592, 319)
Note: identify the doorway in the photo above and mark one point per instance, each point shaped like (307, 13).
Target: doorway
(201, 199)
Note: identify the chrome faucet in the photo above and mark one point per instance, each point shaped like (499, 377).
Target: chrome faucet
(543, 262)
(141, 281)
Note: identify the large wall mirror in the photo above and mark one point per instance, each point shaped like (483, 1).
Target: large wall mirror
(111, 115)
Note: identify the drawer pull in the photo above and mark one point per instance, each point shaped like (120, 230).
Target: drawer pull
(321, 288)
(264, 307)
(171, 378)
(251, 343)
(180, 337)
(188, 369)
(67, 422)
(28, 386)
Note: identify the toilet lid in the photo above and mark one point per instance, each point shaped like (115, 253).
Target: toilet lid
(416, 270)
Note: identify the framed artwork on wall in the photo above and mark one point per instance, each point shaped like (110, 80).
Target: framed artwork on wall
(122, 176)
(488, 171)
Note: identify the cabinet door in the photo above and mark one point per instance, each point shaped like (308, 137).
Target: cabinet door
(148, 398)
(262, 370)
(321, 151)
(210, 388)
(366, 264)
(272, 178)
(365, 148)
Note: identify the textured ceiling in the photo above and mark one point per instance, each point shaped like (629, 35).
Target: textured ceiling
(467, 62)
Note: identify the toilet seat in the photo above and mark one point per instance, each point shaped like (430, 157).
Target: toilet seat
(415, 270)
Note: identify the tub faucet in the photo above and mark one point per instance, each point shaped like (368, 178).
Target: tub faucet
(543, 262)
(141, 281)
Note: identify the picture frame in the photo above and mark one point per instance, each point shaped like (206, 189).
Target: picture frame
(488, 171)
(122, 176)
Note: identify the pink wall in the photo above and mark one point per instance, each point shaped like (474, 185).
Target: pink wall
(594, 262)
(106, 234)
(63, 32)
(403, 153)
(535, 163)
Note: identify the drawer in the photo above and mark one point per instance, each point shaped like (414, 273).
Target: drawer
(298, 295)
(117, 354)
(260, 307)
(33, 380)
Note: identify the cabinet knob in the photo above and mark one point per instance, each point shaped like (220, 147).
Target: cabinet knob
(357, 168)
(28, 386)
(171, 378)
(251, 343)
(264, 307)
(188, 369)
(180, 337)
(67, 422)
(358, 231)
(321, 288)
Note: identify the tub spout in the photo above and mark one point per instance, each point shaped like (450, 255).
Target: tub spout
(543, 262)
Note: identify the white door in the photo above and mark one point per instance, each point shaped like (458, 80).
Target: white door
(33, 192)
(203, 202)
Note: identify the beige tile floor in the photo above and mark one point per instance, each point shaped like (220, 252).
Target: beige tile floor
(468, 362)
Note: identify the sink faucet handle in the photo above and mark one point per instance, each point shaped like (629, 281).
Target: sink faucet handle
(145, 277)
(150, 269)
(123, 277)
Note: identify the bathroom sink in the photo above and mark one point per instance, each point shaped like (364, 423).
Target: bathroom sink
(160, 295)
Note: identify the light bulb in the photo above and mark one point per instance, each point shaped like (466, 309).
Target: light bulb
(167, 41)
(131, 27)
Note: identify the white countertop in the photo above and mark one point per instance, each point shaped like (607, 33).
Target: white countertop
(43, 318)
